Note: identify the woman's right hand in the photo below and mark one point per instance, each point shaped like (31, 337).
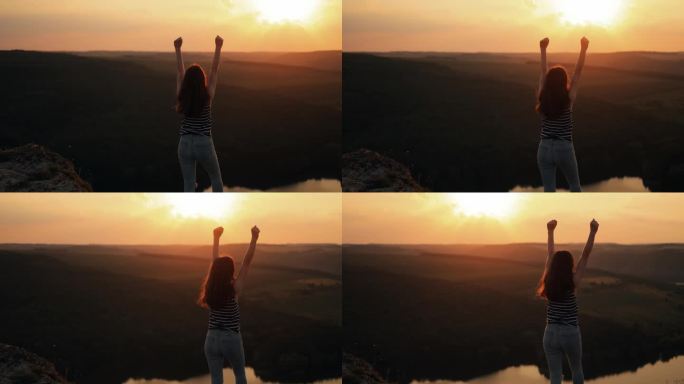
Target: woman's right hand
(178, 42)
(218, 41)
(255, 232)
(543, 43)
(218, 231)
(593, 226)
(584, 43)
(551, 225)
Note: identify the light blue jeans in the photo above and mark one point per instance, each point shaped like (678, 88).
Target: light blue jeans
(563, 340)
(554, 154)
(198, 148)
(221, 345)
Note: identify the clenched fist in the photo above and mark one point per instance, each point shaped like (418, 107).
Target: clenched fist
(544, 43)
(255, 232)
(593, 226)
(551, 225)
(585, 43)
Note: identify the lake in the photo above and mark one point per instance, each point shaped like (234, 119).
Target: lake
(670, 372)
(228, 378)
(615, 184)
(310, 185)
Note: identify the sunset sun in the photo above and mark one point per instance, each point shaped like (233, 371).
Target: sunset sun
(199, 205)
(585, 12)
(492, 205)
(279, 11)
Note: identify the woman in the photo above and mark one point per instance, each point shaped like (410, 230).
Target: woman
(194, 97)
(219, 294)
(555, 101)
(558, 285)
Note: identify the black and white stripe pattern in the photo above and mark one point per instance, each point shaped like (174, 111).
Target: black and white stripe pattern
(200, 125)
(226, 317)
(562, 312)
(559, 128)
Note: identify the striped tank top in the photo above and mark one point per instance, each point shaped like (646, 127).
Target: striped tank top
(200, 125)
(559, 128)
(226, 317)
(562, 312)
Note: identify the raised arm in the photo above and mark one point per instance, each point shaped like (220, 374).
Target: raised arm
(574, 86)
(543, 44)
(180, 67)
(582, 264)
(247, 261)
(213, 76)
(551, 247)
(218, 231)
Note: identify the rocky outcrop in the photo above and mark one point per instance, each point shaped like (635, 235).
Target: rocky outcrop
(33, 168)
(358, 371)
(367, 171)
(18, 366)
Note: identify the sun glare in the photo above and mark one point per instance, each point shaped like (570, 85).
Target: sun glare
(583, 12)
(492, 205)
(280, 11)
(200, 205)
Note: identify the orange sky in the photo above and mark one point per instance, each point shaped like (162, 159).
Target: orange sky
(151, 25)
(512, 25)
(168, 218)
(405, 218)
(332, 218)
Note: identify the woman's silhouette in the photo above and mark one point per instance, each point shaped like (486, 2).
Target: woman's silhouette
(558, 284)
(219, 294)
(194, 97)
(555, 104)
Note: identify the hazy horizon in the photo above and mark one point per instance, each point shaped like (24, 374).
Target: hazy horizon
(513, 26)
(504, 218)
(516, 52)
(172, 218)
(514, 243)
(83, 25)
(162, 245)
(165, 51)
(323, 243)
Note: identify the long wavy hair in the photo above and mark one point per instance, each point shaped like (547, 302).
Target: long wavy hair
(219, 284)
(193, 95)
(558, 280)
(554, 98)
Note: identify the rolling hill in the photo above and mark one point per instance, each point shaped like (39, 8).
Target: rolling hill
(466, 122)
(103, 314)
(412, 311)
(112, 115)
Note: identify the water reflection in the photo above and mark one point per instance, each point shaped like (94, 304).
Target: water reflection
(671, 372)
(228, 378)
(615, 184)
(310, 185)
